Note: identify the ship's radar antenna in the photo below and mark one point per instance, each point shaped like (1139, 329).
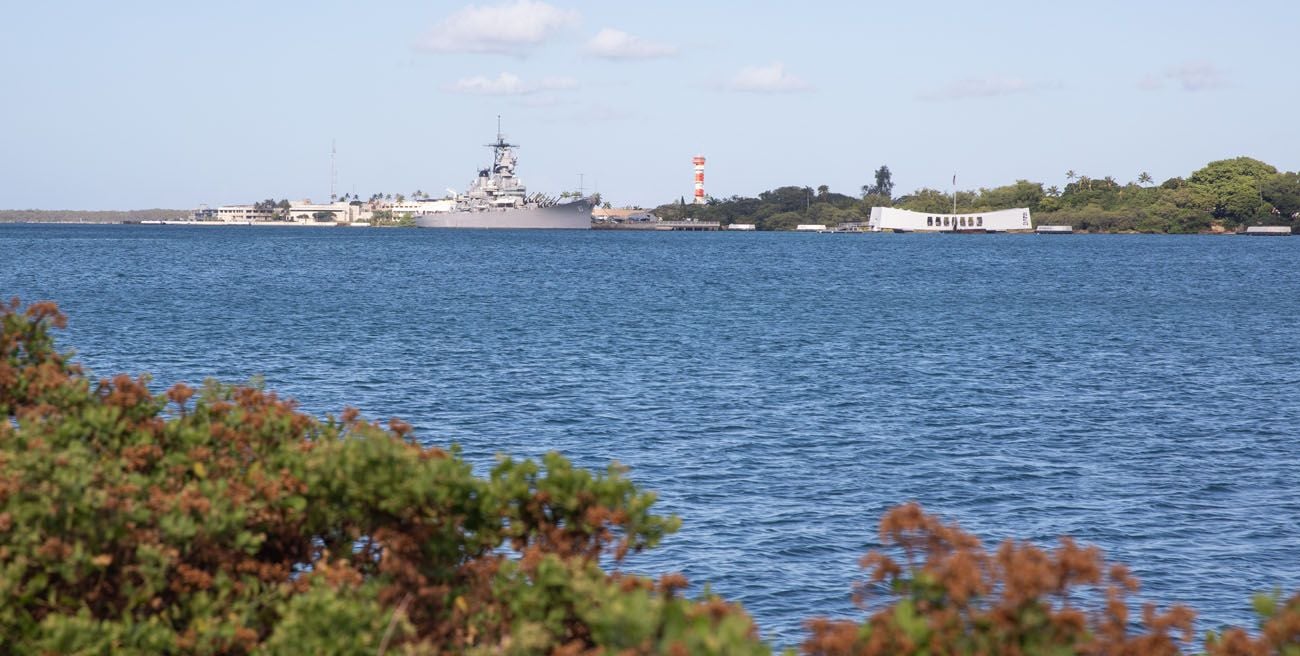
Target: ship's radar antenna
(501, 138)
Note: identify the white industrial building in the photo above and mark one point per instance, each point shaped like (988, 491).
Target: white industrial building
(417, 207)
(889, 218)
(242, 214)
(306, 211)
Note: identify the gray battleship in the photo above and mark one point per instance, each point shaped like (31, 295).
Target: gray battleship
(498, 199)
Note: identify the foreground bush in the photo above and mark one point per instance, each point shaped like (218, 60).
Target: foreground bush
(951, 596)
(224, 521)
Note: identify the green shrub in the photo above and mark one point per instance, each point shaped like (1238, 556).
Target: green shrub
(224, 521)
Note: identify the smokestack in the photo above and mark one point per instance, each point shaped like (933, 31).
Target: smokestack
(699, 179)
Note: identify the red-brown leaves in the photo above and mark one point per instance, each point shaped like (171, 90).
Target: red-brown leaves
(180, 394)
(43, 312)
(400, 428)
(1279, 631)
(953, 597)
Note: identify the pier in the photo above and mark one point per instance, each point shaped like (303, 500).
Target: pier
(688, 226)
(1268, 231)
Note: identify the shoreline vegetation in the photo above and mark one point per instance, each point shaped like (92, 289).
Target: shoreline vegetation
(222, 520)
(92, 216)
(1223, 197)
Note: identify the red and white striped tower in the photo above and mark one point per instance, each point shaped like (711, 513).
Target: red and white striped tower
(699, 179)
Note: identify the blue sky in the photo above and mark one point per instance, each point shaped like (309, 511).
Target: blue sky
(173, 104)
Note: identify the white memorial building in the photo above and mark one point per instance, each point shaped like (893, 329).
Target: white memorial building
(889, 218)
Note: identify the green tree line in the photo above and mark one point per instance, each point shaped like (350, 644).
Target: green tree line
(1224, 195)
(91, 216)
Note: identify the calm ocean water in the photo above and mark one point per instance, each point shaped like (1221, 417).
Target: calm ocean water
(780, 391)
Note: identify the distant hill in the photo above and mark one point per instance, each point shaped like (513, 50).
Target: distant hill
(90, 216)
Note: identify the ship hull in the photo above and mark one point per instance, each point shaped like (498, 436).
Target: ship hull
(566, 216)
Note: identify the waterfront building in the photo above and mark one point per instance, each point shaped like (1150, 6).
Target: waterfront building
(745, 227)
(620, 215)
(1054, 230)
(305, 211)
(418, 207)
(242, 214)
(890, 218)
(1269, 231)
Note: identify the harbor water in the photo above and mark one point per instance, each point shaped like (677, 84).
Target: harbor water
(779, 391)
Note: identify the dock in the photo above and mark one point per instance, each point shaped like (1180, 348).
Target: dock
(1054, 230)
(688, 226)
(1269, 231)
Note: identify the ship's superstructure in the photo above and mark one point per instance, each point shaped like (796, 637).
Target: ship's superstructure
(497, 198)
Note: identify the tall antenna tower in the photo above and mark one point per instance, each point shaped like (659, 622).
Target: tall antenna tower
(334, 174)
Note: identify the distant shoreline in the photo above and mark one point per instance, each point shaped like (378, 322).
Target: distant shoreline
(92, 216)
(291, 224)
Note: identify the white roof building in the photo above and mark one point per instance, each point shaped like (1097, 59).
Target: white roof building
(416, 207)
(338, 212)
(1269, 230)
(890, 218)
(242, 214)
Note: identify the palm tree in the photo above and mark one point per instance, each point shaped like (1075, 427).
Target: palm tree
(1053, 191)
(1144, 178)
(1071, 175)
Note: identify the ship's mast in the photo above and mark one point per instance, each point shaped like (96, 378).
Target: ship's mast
(500, 143)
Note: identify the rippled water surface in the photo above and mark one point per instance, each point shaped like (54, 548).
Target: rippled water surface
(779, 390)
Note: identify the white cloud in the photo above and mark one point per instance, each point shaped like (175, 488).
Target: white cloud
(509, 84)
(1197, 76)
(507, 29)
(767, 79)
(985, 87)
(617, 44)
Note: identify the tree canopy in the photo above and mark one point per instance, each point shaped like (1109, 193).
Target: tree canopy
(1224, 195)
